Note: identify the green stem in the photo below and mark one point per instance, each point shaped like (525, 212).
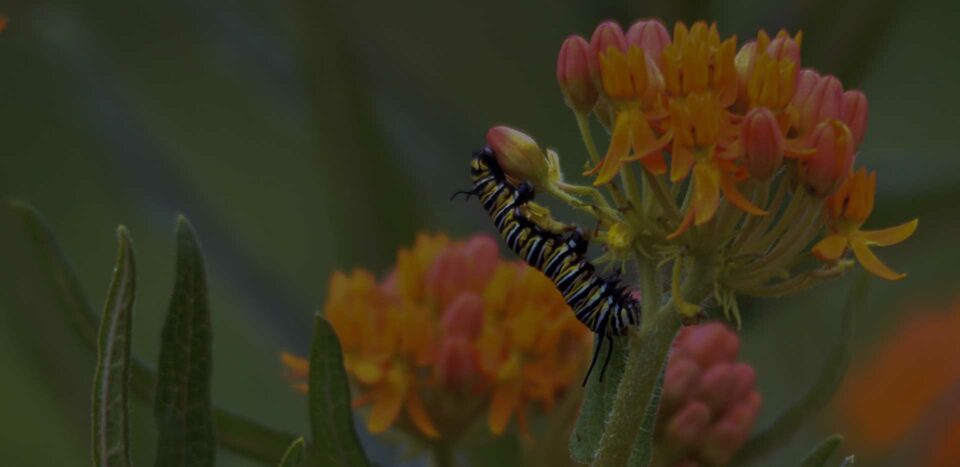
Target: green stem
(647, 355)
(442, 455)
(666, 202)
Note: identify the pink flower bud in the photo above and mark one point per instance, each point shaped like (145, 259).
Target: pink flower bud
(518, 155)
(831, 163)
(784, 47)
(824, 102)
(763, 143)
(457, 364)
(483, 255)
(717, 386)
(651, 36)
(464, 316)
(573, 74)
(608, 34)
(855, 109)
(679, 382)
(807, 79)
(685, 430)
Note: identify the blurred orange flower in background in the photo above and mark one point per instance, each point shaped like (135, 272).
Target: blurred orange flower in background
(452, 331)
(907, 392)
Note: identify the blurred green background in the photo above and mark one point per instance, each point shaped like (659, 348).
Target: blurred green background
(304, 136)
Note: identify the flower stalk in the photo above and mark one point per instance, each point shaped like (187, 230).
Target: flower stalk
(646, 357)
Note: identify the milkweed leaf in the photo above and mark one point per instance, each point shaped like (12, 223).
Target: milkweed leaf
(334, 437)
(111, 431)
(182, 407)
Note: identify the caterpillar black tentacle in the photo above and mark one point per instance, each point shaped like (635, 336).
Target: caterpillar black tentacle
(603, 305)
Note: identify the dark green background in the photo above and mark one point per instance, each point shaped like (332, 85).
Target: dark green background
(304, 136)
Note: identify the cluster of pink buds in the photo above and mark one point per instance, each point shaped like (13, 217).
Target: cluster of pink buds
(709, 400)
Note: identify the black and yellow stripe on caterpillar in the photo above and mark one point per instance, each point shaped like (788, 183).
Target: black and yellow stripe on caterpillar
(603, 305)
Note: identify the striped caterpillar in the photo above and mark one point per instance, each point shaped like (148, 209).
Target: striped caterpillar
(603, 305)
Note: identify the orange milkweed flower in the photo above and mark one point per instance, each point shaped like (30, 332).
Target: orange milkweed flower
(452, 330)
(846, 211)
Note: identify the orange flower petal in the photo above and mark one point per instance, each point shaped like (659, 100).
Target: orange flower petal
(505, 401)
(386, 406)
(706, 192)
(418, 414)
(830, 248)
(655, 163)
(298, 367)
(736, 198)
(684, 225)
(871, 263)
(889, 236)
(619, 149)
(680, 162)
(796, 149)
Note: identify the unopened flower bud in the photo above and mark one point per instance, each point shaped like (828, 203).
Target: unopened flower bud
(457, 365)
(464, 316)
(855, 109)
(573, 74)
(807, 79)
(608, 34)
(651, 36)
(744, 60)
(832, 160)
(763, 143)
(824, 102)
(519, 156)
(785, 47)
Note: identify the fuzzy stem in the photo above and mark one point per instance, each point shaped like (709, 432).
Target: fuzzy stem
(647, 355)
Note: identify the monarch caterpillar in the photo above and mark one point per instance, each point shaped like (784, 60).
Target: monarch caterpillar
(603, 305)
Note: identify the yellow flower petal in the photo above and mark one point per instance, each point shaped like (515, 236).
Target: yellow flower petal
(889, 236)
(830, 248)
(367, 372)
(619, 148)
(505, 401)
(706, 192)
(418, 414)
(386, 406)
(871, 263)
(681, 161)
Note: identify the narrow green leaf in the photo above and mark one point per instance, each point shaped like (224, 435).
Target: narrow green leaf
(597, 401)
(182, 407)
(334, 438)
(73, 302)
(642, 453)
(295, 454)
(821, 453)
(234, 432)
(111, 431)
(820, 393)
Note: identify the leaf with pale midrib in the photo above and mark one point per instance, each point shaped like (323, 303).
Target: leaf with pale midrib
(821, 453)
(183, 409)
(295, 454)
(642, 453)
(111, 431)
(334, 438)
(234, 432)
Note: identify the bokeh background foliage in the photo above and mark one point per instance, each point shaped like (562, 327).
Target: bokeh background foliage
(303, 136)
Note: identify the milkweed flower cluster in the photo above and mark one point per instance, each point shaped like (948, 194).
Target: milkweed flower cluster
(715, 149)
(451, 333)
(709, 400)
